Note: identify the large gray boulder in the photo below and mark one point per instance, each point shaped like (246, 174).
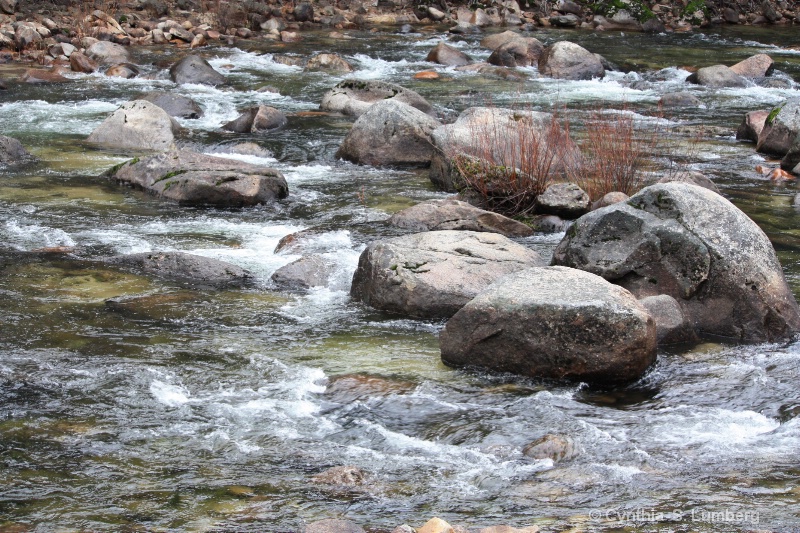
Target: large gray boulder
(444, 54)
(137, 125)
(780, 129)
(553, 323)
(390, 133)
(717, 77)
(190, 178)
(12, 151)
(433, 274)
(195, 69)
(108, 53)
(692, 244)
(566, 200)
(451, 214)
(354, 97)
(569, 61)
(498, 136)
(756, 66)
(180, 266)
(174, 104)
(309, 271)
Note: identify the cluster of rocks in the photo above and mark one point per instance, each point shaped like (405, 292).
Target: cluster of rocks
(775, 133)
(434, 525)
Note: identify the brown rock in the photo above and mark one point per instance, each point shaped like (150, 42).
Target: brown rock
(554, 447)
(436, 525)
(444, 54)
(426, 75)
(123, 70)
(756, 66)
(79, 62)
(37, 76)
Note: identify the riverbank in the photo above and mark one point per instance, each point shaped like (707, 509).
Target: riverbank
(29, 30)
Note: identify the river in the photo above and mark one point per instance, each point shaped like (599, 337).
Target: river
(204, 410)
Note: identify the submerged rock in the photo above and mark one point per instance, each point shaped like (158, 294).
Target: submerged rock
(181, 266)
(354, 97)
(190, 178)
(433, 274)
(174, 104)
(137, 125)
(390, 133)
(195, 69)
(554, 323)
(694, 245)
(333, 526)
(12, 152)
(453, 214)
(569, 61)
(554, 447)
(348, 476)
(37, 76)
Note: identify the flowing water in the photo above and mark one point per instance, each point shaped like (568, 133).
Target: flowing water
(195, 410)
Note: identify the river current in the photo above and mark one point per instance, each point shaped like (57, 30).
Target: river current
(213, 410)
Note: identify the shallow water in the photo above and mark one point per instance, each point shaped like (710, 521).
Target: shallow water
(195, 410)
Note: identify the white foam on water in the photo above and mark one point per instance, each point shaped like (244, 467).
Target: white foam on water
(313, 173)
(371, 68)
(221, 105)
(122, 241)
(22, 236)
(169, 394)
(79, 118)
(251, 159)
(235, 61)
(559, 92)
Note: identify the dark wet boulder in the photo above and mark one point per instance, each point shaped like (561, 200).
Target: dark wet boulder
(519, 52)
(12, 151)
(3, 85)
(694, 245)
(444, 54)
(553, 323)
(565, 21)
(693, 177)
(175, 105)
(333, 526)
(780, 129)
(306, 272)
(566, 200)
(390, 133)
(195, 69)
(190, 178)
(756, 66)
(717, 77)
(354, 97)
(672, 327)
(791, 161)
(433, 274)
(451, 214)
(569, 61)
(328, 63)
(304, 12)
(108, 53)
(137, 125)
(257, 119)
(180, 266)
(752, 125)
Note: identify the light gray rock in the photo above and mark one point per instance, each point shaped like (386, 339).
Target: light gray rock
(433, 274)
(190, 178)
(306, 272)
(693, 177)
(780, 129)
(553, 323)
(108, 53)
(756, 66)
(175, 105)
(717, 77)
(180, 266)
(569, 61)
(566, 200)
(333, 526)
(390, 133)
(137, 125)
(452, 214)
(354, 97)
(694, 245)
(680, 99)
(494, 41)
(444, 54)
(195, 69)
(671, 325)
(257, 119)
